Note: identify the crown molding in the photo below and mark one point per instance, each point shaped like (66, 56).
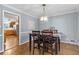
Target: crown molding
(55, 14)
(65, 12)
(18, 10)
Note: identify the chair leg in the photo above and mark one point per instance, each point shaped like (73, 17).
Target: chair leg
(33, 47)
(58, 43)
(39, 48)
(46, 48)
(51, 49)
(43, 48)
(56, 52)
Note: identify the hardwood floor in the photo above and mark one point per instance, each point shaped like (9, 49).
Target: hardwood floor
(10, 42)
(66, 49)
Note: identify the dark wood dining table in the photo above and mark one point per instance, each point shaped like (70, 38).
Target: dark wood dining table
(56, 43)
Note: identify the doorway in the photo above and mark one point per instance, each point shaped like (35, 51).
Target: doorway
(10, 29)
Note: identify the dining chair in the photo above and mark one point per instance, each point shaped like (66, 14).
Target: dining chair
(55, 34)
(48, 41)
(36, 40)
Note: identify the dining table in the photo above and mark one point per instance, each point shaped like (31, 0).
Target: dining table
(56, 43)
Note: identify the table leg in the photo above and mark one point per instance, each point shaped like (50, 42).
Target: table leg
(43, 46)
(30, 43)
(59, 43)
(56, 52)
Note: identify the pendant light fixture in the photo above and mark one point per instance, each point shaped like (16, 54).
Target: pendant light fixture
(44, 17)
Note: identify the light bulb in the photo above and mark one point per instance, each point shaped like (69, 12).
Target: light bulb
(41, 19)
(45, 18)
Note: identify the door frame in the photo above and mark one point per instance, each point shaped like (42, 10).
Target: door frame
(19, 17)
(2, 31)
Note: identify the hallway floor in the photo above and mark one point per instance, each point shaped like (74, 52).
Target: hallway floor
(11, 41)
(66, 49)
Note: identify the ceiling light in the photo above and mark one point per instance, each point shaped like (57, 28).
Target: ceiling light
(44, 17)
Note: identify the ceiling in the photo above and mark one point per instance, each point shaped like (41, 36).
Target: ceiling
(51, 9)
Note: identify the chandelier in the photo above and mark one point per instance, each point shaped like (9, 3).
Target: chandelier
(44, 17)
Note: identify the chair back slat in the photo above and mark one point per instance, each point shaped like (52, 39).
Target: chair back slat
(35, 33)
(47, 33)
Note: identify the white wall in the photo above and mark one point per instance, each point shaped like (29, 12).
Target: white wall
(66, 25)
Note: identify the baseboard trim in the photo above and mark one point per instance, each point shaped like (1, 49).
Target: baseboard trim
(71, 43)
(1, 51)
(61, 41)
(24, 42)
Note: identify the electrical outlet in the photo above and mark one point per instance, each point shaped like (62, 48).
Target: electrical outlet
(72, 40)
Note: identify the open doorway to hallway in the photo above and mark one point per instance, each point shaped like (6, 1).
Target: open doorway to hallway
(10, 29)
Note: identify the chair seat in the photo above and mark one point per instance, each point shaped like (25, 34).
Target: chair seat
(37, 41)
